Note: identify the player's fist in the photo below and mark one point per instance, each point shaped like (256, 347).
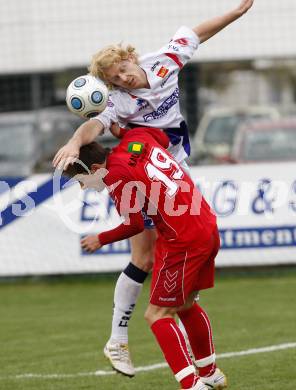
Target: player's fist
(66, 155)
(244, 6)
(90, 243)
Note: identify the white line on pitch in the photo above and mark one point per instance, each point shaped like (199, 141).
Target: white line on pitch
(152, 367)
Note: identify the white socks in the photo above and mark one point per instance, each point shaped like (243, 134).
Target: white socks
(127, 291)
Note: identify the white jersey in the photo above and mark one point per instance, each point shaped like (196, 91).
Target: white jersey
(158, 106)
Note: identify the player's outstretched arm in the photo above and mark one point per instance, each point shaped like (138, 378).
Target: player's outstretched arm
(211, 27)
(84, 135)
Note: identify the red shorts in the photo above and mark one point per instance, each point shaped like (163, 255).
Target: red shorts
(178, 273)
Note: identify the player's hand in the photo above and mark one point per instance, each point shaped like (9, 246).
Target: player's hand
(244, 6)
(115, 130)
(90, 243)
(66, 155)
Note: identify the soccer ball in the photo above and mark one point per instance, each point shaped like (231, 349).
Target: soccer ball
(87, 96)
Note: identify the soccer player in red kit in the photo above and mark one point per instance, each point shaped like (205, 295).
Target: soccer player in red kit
(144, 93)
(141, 175)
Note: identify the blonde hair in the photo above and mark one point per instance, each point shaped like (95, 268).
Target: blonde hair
(109, 56)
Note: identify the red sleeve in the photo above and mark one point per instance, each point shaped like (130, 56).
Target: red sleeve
(123, 231)
(134, 222)
(159, 136)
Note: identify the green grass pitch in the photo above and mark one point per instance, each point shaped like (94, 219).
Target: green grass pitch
(50, 327)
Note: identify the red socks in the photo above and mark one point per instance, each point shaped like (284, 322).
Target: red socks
(199, 331)
(172, 343)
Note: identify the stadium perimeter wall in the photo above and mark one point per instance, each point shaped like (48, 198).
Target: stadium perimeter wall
(41, 226)
(51, 35)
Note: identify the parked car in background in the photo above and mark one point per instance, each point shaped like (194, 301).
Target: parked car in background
(265, 141)
(29, 140)
(19, 144)
(56, 126)
(213, 139)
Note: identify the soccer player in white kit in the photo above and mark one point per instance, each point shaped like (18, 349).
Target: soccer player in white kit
(144, 93)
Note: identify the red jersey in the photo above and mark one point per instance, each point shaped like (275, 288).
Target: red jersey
(143, 176)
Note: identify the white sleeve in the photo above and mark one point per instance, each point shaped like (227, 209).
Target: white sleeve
(183, 44)
(108, 116)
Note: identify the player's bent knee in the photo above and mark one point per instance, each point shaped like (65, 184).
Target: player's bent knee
(148, 317)
(188, 303)
(144, 263)
(154, 313)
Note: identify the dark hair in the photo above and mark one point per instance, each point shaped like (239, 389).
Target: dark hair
(89, 154)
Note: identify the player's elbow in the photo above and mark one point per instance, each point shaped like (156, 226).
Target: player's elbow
(202, 33)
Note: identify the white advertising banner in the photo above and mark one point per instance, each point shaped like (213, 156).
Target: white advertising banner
(256, 209)
(41, 226)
